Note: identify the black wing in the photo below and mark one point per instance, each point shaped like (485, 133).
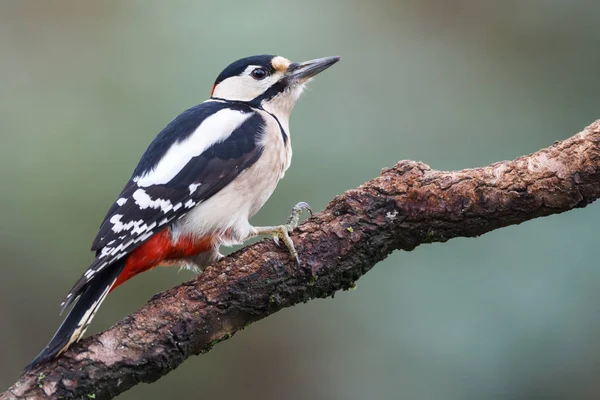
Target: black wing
(141, 211)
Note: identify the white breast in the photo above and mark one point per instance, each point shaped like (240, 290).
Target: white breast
(226, 213)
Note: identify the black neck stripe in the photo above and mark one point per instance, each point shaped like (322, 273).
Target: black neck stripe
(278, 87)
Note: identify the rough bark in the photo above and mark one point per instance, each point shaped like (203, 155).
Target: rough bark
(408, 205)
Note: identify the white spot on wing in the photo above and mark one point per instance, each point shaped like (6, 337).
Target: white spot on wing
(144, 237)
(121, 201)
(193, 187)
(119, 226)
(213, 129)
(105, 251)
(143, 200)
(189, 204)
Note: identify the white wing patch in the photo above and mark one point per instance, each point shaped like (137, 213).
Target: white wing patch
(138, 230)
(190, 203)
(193, 187)
(143, 201)
(177, 181)
(213, 129)
(119, 226)
(163, 221)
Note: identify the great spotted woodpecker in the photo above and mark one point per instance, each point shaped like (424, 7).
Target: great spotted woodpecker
(194, 189)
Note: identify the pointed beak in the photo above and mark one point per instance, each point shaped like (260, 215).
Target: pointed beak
(306, 70)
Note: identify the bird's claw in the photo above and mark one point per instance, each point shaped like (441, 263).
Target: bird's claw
(282, 233)
(294, 218)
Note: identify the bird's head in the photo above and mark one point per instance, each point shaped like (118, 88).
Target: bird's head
(271, 82)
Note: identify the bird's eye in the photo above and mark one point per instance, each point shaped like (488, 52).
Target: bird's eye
(259, 73)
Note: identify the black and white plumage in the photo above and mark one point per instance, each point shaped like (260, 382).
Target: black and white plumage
(207, 172)
(199, 153)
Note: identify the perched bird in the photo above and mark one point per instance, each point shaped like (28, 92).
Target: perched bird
(205, 174)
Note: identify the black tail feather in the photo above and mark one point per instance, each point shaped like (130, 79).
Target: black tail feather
(74, 325)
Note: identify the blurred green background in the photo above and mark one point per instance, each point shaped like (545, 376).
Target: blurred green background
(85, 86)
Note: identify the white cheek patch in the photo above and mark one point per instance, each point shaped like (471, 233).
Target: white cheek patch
(234, 88)
(244, 87)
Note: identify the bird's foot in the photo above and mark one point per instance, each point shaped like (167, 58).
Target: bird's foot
(282, 232)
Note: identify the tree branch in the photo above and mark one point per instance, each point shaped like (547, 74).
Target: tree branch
(408, 205)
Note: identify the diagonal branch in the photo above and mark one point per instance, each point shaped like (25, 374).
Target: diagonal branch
(408, 205)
